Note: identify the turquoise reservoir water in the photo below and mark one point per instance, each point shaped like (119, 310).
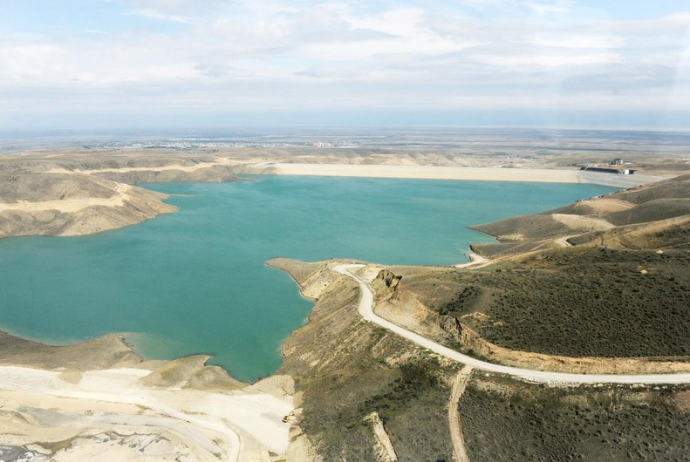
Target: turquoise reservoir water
(195, 281)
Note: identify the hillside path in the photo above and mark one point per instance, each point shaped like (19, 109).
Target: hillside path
(456, 436)
(366, 310)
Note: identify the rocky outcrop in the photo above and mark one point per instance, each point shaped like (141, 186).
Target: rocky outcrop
(403, 308)
(452, 326)
(383, 448)
(385, 284)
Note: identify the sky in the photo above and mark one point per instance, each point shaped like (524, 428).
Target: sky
(128, 64)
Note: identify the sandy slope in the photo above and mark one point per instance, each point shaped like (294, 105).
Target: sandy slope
(110, 406)
(72, 205)
(604, 205)
(182, 168)
(580, 222)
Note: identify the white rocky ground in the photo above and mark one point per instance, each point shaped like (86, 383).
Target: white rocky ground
(110, 415)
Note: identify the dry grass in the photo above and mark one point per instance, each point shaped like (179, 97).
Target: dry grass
(508, 420)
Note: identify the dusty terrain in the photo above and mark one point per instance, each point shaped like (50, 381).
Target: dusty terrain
(332, 405)
(83, 401)
(43, 196)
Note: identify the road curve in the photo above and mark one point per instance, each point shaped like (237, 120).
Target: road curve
(366, 310)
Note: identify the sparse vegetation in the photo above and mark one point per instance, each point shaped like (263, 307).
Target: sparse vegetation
(504, 419)
(573, 302)
(412, 413)
(410, 399)
(594, 303)
(361, 370)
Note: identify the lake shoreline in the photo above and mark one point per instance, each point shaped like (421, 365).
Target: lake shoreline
(343, 191)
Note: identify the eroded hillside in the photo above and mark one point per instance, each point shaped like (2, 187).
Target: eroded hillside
(347, 369)
(651, 216)
(75, 196)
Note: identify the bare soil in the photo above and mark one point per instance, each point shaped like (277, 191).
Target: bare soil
(649, 203)
(76, 195)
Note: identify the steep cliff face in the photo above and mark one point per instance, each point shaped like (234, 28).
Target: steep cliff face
(395, 303)
(385, 284)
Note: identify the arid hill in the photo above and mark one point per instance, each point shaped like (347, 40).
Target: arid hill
(346, 370)
(603, 289)
(653, 215)
(73, 196)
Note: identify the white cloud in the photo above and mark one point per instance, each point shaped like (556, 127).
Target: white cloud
(479, 4)
(557, 7)
(538, 7)
(27, 62)
(280, 54)
(180, 7)
(152, 13)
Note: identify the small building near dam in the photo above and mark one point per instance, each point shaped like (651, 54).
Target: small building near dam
(619, 171)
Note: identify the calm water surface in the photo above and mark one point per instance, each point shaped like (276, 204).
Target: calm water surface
(195, 281)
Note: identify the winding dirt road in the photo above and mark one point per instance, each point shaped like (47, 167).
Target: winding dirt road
(366, 310)
(459, 450)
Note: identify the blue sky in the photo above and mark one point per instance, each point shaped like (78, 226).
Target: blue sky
(214, 63)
